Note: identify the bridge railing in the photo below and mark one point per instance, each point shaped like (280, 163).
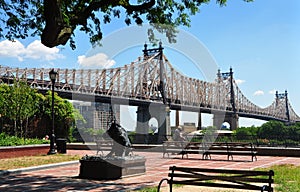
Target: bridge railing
(270, 141)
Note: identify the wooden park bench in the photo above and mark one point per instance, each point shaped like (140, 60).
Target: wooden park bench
(220, 178)
(207, 149)
(103, 145)
(174, 147)
(106, 145)
(230, 149)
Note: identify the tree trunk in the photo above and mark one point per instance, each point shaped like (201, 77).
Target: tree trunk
(15, 128)
(56, 32)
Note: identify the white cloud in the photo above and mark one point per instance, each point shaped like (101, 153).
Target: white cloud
(35, 50)
(272, 92)
(98, 61)
(259, 92)
(239, 81)
(12, 49)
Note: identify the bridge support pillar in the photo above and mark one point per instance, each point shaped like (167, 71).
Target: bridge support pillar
(144, 114)
(220, 118)
(177, 118)
(199, 127)
(234, 124)
(142, 127)
(164, 127)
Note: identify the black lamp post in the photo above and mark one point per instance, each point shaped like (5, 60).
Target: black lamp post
(52, 75)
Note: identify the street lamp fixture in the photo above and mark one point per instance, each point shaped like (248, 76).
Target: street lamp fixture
(52, 75)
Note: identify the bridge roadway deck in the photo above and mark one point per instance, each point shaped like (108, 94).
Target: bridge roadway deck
(64, 177)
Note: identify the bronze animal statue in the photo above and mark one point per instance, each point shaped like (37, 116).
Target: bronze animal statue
(121, 143)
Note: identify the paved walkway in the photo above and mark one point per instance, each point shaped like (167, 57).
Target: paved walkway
(65, 178)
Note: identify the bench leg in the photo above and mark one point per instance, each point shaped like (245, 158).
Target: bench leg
(184, 153)
(166, 153)
(99, 150)
(206, 156)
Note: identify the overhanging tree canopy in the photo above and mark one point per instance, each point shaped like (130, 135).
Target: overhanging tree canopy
(56, 20)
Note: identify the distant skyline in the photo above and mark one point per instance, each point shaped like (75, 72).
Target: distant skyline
(259, 40)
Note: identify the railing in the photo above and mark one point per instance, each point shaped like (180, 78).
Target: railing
(148, 138)
(271, 141)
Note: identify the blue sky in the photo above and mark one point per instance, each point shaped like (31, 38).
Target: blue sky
(259, 40)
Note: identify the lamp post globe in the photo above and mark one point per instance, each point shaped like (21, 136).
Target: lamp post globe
(52, 76)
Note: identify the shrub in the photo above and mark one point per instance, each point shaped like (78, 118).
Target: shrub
(6, 140)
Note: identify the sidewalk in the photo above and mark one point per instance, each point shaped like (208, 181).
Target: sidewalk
(65, 178)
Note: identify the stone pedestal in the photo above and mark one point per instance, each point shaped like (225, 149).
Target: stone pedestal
(107, 168)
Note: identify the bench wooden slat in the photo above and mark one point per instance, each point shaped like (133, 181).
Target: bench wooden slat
(103, 145)
(223, 178)
(223, 185)
(244, 172)
(207, 149)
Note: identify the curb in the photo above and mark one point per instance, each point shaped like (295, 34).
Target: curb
(36, 168)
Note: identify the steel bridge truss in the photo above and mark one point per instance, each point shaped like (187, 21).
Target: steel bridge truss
(142, 80)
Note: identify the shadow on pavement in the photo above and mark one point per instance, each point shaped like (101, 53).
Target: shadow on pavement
(21, 183)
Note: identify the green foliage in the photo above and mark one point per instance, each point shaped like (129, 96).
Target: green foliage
(245, 133)
(6, 140)
(21, 107)
(272, 133)
(272, 129)
(96, 133)
(64, 114)
(18, 103)
(210, 130)
(132, 135)
(210, 134)
(20, 19)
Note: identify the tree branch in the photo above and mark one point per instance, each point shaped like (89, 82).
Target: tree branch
(131, 8)
(56, 31)
(96, 5)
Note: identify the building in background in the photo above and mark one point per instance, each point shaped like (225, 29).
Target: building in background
(97, 115)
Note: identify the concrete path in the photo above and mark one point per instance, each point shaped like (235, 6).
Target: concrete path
(65, 177)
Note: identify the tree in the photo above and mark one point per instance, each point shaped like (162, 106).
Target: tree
(56, 20)
(18, 103)
(272, 130)
(22, 107)
(244, 133)
(64, 114)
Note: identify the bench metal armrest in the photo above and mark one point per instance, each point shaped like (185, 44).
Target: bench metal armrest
(160, 183)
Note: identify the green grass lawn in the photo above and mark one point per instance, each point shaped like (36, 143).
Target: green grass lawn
(287, 179)
(28, 161)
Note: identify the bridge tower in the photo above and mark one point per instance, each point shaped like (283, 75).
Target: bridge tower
(230, 117)
(280, 96)
(160, 112)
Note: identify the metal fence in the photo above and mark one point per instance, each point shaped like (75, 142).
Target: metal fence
(271, 141)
